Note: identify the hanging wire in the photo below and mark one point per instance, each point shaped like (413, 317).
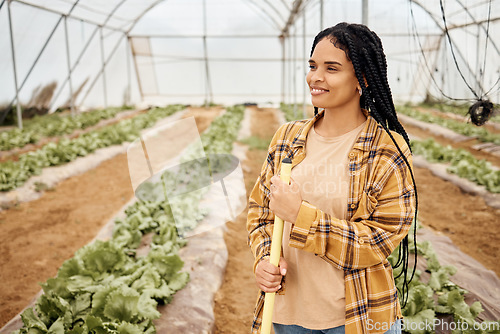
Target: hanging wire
(486, 47)
(453, 50)
(489, 91)
(416, 34)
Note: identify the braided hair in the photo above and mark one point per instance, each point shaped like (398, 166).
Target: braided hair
(364, 49)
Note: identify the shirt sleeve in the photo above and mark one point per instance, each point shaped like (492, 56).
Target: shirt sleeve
(382, 219)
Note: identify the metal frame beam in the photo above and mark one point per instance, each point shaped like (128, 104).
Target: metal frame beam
(200, 36)
(16, 86)
(265, 12)
(72, 16)
(106, 61)
(291, 18)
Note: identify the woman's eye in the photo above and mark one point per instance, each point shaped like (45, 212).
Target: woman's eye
(312, 67)
(332, 69)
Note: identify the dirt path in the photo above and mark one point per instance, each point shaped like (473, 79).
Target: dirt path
(467, 145)
(235, 300)
(443, 207)
(466, 219)
(37, 237)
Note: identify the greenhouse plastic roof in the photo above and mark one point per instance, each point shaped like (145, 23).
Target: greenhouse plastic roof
(98, 53)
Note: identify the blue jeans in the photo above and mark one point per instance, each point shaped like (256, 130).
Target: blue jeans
(294, 329)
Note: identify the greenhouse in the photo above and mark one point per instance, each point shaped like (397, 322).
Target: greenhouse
(141, 142)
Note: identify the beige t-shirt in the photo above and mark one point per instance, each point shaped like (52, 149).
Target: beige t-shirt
(315, 295)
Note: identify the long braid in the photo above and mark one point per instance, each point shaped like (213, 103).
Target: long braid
(364, 49)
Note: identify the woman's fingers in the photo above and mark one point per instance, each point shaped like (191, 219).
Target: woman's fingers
(267, 276)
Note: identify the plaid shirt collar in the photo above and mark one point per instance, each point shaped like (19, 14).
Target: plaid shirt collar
(363, 143)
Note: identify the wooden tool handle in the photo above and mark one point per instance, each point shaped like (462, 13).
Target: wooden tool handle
(286, 169)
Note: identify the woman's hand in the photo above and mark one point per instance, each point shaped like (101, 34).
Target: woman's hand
(285, 199)
(268, 277)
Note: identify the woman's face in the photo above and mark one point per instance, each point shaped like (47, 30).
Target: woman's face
(331, 78)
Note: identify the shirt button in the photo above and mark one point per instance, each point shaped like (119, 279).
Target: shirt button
(352, 155)
(353, 206)
(361, 241)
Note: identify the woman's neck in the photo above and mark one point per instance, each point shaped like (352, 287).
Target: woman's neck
(337, 122)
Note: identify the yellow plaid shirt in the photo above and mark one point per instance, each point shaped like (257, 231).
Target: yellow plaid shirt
(380, 211)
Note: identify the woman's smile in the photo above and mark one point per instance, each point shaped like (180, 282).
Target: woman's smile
(318, 90)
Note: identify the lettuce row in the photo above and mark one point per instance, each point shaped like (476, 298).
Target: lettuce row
(290, 113)
(103, 290)
(14, 174)
(437, 296)
(51, 126)
(107, 287)
(466, 129)
(462, 163)
(223, 131)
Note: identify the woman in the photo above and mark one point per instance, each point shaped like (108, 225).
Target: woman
(350, 202)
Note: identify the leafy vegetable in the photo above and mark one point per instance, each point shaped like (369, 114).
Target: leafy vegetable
(106, 287)
(467, 129)
(438, 296)
(462, 163)
(14, 174)
(51, 126)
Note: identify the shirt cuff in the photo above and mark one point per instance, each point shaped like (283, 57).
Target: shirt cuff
(300, 230)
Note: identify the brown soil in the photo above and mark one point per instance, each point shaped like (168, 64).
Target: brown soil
(38, 236)
(235, 300)
(443, 207)
(466, 219)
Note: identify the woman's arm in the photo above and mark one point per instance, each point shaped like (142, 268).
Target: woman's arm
(378, 225)
(260, 220)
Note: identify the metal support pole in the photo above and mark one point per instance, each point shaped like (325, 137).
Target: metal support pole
(208, 91)
(103, 70)
(304, 64)
(290, 70)
(294, 57)
(282, 42)
(37, 59)
(128, 98)
(321, 8)
(364, 12)
(136, 67)
(85, 48)
(18, 103)
(68, 61)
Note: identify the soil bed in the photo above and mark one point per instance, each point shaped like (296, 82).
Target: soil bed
(467, 145)
(38, 236)
(16, 152)
(443, 207)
